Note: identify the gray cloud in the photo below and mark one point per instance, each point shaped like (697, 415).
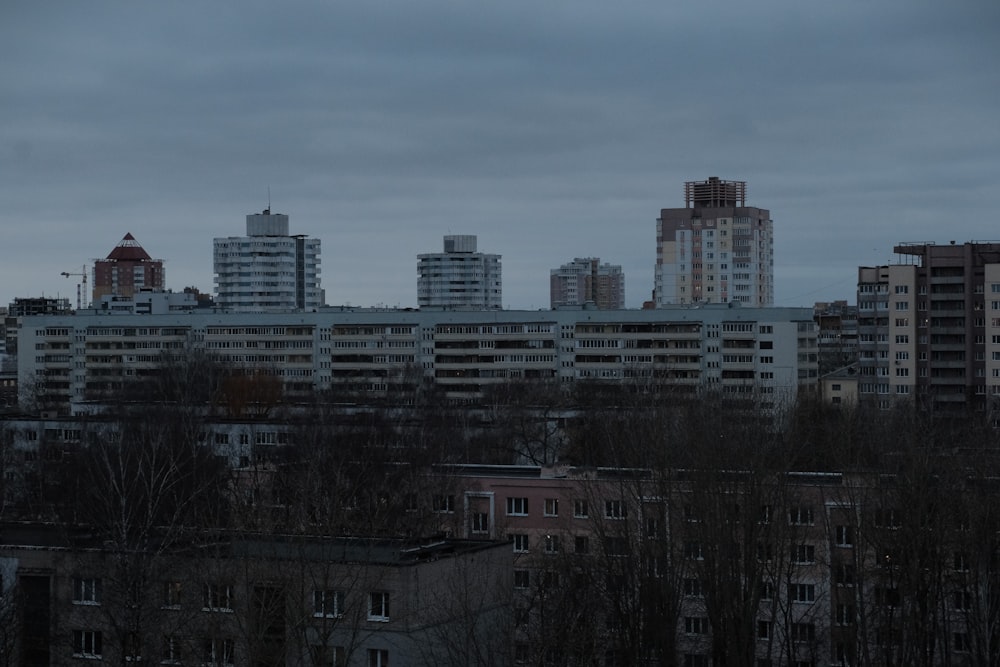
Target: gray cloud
(550, 131)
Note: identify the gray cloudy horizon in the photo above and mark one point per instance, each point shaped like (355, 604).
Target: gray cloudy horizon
(550, 130)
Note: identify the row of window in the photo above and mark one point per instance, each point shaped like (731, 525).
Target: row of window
(219, 597)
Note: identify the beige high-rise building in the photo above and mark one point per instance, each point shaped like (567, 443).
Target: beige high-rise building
(929, 327)
(714, 250)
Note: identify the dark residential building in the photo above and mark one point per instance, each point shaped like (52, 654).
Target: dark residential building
(271, 600)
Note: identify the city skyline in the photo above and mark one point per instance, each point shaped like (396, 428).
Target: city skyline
(547, 132)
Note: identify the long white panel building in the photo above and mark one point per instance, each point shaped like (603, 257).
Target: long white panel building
(77, 359)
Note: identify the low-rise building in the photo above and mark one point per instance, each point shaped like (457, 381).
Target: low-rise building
(252, 600)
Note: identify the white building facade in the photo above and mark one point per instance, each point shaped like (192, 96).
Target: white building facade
(459, 277)
(267, 270)
(84, 358)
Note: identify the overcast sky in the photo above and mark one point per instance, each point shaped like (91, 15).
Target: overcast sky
(550, 129)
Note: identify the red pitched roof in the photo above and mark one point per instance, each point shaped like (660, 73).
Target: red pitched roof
(128, 249)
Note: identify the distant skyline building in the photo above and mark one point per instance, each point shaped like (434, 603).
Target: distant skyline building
(459, 277)
(268, 270)
(714, 250)
(586, 280)
(127, 269)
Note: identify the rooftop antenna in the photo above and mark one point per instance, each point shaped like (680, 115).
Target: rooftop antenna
(268, 198)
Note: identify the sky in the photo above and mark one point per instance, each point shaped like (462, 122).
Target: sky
(551, 130)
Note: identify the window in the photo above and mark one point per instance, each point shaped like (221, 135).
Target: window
(887, 518)
(328, 656)
(517, 506)
(522, 579)
(218, 597)
(844, 536)
(86, 591)
(765, 513)
(693, 588)
(801, 516)
(580, 509)
(960, 641)
(845, 614)
(86, 644)
(962, 601)
(763, 629)
(328, 604)
(443, 503)
(581, 544)
(378, 606)
(695, 625)
(520, 543)
(551, 507)
(802, 592)
(803, 553)
(961, 561)
(551, 544)
(480, 522)
(217, 652)
(886, 596)
(378, 657)
(693, 551)
(766, 590)
(171, 653)
(843, 574)
(614, 509)
(803, 632)
(172, 594)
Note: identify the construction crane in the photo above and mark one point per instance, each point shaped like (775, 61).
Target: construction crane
(83, 276)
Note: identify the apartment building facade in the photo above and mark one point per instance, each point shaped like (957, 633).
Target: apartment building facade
(586, 280)
(459, 277)
(86, 357)
(126, 270)
(680, 567)
(929, 327)
(715, 249)
(268, 270)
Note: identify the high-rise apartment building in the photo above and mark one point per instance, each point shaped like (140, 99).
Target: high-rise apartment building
(127, 269)
(929, 327)
(268, 270)
(586, 280)
(714, 250)
(459, 277)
